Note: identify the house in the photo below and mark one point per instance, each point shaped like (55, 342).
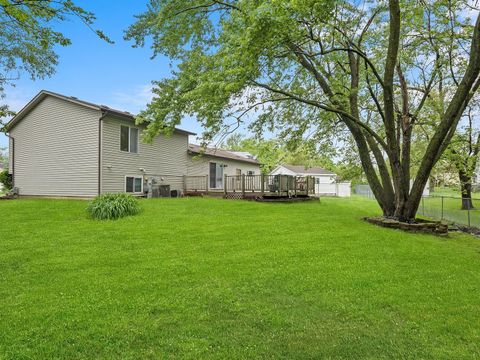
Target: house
(216, 163)
(63, 146)
(325, 180)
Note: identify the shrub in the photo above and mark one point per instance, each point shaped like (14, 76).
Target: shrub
(6, 179)
(113, 206)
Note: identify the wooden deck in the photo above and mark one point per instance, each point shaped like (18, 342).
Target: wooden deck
(258, 187)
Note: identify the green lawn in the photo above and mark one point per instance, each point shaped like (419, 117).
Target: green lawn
(209, 278)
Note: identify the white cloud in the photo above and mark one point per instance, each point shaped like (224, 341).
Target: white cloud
(134, 100)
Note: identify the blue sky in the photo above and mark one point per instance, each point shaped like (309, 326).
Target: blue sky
(115, 75)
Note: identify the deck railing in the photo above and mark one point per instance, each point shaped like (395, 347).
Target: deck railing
(196, 183)
(274, 185)
(270, 184)
(246, 185)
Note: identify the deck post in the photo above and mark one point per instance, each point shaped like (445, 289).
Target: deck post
(262, 185)
(308, 189)
(295, 184)
(225, 179)
(243, 185)
(206, 184)
(288, 186)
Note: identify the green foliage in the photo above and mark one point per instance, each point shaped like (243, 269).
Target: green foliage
(3, 158)
(6, 179)
(310, 153)
(269, 153)
(221, 49)
(113, 206)
(28, 38)
(464, 149)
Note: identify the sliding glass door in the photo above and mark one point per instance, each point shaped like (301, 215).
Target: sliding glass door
(216, 176)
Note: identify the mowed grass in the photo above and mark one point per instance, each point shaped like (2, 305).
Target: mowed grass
(207, 278)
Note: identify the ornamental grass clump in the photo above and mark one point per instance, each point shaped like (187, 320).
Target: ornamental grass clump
(113, 206)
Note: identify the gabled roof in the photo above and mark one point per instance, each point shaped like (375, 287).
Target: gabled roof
(220, 153)
(301, 169)
(106, 110)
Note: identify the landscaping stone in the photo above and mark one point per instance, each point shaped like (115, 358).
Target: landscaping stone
(419, 226)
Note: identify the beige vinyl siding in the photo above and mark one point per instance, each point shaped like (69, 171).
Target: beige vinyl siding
(165, 157)
(199, 166)
(56, 150)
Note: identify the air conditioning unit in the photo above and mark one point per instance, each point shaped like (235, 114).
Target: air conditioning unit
(160, 191)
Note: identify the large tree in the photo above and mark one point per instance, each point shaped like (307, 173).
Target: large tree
(369, 65)
(28, 38)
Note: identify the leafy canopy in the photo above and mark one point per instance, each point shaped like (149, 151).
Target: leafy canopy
(28, 38)
(220, 48)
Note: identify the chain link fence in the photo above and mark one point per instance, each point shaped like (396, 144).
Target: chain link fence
(449, 208)
(439, 207)
(364, 190)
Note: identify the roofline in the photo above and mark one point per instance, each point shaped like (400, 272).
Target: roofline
(36, 99)
(114, 113)
(305, 173)
(249, 161)
(104, 109)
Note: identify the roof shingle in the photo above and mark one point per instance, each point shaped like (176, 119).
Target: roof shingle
(220, 153)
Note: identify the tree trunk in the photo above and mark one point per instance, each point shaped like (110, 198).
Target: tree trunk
(466, 188)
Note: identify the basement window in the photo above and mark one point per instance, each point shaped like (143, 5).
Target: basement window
(133, 184)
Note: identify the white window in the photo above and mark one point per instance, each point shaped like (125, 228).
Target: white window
(250, 172)
(128, 139)
(134, 184)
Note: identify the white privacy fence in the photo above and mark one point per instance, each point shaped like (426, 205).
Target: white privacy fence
(365, 190)
(342, 189)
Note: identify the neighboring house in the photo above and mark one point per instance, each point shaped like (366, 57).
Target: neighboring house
(216, 163)
(325, 180)
(63, 146)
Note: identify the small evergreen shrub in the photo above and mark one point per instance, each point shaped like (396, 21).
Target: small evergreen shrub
(113, 206)
(6, 179)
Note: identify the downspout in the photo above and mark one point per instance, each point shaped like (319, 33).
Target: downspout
(100, 130)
